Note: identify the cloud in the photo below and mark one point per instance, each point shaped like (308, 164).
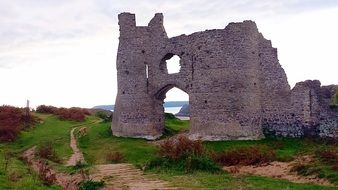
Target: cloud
(63, 52)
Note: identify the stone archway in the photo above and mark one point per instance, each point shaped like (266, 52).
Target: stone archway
(235, 83)
(160, 96)
(220, 92)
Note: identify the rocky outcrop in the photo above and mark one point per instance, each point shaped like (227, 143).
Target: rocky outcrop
(184, 111)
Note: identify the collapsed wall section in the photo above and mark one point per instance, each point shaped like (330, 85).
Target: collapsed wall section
(306, 113)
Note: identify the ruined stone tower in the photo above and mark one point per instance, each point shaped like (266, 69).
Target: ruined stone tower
(236, 86)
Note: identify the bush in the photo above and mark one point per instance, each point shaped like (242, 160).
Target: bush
(72, 114)
(106, 116)
(253, 155)
(46, 109)
(45, 175)
(115, 157)
(183, 154)
(47, 151)
(305, 170)
(169, 116)
(329, 157)
(181, 147)
(91, 185)
(13, 120)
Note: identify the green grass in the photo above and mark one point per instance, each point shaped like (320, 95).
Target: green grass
(286, 148)
(205, 180)
(174, 125)
(99, 142)
(50, 130)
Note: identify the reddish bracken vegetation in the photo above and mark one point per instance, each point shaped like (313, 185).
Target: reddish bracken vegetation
(115, 157)
(181, 147)
(72, 114)
(329, 157)
(253, 155)
(47, 151)
(13, 120)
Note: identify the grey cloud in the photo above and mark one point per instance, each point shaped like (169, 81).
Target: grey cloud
(23, 22)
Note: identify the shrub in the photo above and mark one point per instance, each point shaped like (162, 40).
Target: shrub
(183, 154)
(106, 116)
(46, 109)
(13, 120)
(115, 157)
(253, 155)
(169, 116)
(305, 170)
(72, 114)
(181, 147)
(47, 151)
(45, 174)
(329, 157)
(91, 185)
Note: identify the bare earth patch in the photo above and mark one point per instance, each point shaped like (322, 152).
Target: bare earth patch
(126, 176)
(279, 170)
(77, 156)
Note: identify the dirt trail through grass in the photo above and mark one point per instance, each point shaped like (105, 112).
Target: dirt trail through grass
(116, 176)
(48, 174)
(126, 176)
(77, 156)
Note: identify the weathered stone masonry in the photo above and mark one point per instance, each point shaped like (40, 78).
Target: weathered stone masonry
(237, 88)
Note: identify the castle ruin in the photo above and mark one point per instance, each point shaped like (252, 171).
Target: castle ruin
(237, 88)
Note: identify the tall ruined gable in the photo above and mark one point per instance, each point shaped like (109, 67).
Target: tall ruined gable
(237, 88)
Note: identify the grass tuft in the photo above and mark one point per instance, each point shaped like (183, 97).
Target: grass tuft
(47, 151)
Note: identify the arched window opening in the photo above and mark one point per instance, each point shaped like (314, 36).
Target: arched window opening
(171, 64)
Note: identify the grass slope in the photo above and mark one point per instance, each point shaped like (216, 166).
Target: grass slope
(174, 125)
(99, 141)
(225, 181)
(286, 148)
(51, 130)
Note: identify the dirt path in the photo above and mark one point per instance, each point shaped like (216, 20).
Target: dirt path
(48, 174)
(77, 156)
(116, 176)
(280, 170)
(126, 176)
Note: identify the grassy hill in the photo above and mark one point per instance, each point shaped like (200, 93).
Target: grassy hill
(98, 144)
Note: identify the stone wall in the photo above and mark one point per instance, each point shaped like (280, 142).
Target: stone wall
(237, 88)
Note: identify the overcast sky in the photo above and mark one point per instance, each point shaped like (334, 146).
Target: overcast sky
(63, 52)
